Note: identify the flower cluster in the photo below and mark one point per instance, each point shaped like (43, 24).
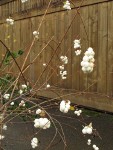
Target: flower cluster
(67, 5)
(42, 123)
(23, 89)
(23, 1)
(6, 96)
(88, 61)
(95, 147)
(64, 59)
(78, 112)
(22, 103)
(78, 52)
(10, 21)
(77, 46)
(34, 142)
(36, 34)
(63, 72)
(89, 142)
(87, 129)
(65, 106)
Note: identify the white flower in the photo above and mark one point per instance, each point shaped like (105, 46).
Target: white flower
(67, 5)
(77, 44)
(2, 137)
(61, 67)
(48, 86)
(23, 1)
(87, 129)
(78, 112)
(63, 77)
(20, 91)
(78, 52)
(64, 106)
(6, 96)
(12, 103)
(34, 142)
(95, 147)
(10, 21)
(64, 59)
(88, 61)
(44, 64)
(22, 103)
(89, 142)
(4, 127)
(24, 86)
(36, 34)
(43, 123)
(38, 111)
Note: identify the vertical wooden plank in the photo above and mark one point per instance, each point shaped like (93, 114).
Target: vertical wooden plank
(103, 45)
(84, 44)
(48, 50)
(59, 32)
(68, 50)
(93, 42)
(55, 60)
(38, 68)
(75, 59)
(16, 42)
(110, 50)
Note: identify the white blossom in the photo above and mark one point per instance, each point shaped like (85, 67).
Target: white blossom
(2, 137)
(48, 86)
(88, 61)
(65, 106)
(87, 129)
(36, 34)
(89, 142)
(77, 44)
(10, 21)
(67, 5)
(61, 67)
(95, 147)
(20, 91)
(23, 1)
(24, 86)
(34, 142)
(22, 103)
(64, 59)
(44, 64)
(78, 52)
(38, 111)
(12, 103)
(4, 127)
(42, 123)
(63, 77)
(6, 96)
(78, 112)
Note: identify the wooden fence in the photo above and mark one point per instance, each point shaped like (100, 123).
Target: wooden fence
(95, 15)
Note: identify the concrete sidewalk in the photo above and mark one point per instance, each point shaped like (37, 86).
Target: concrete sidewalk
(18, 135)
